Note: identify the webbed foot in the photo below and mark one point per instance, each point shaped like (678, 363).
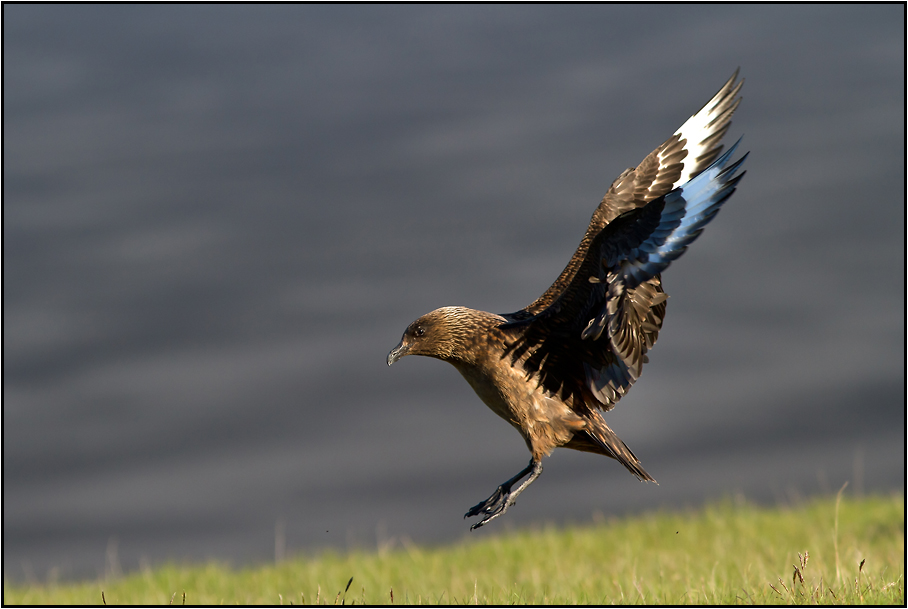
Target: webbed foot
(503, 497)
(493, 507)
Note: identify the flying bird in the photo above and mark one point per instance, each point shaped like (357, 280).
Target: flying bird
(554, 367)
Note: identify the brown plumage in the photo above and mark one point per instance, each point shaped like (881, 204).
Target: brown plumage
(554, 367)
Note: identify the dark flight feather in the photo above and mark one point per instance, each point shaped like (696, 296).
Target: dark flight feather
(555, 329)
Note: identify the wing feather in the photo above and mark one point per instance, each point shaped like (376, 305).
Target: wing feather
(690, 150)
(590, 344)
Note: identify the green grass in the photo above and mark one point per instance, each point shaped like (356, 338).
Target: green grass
(727, 553)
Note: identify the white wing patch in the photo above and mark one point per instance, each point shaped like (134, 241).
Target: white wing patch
(704, 129)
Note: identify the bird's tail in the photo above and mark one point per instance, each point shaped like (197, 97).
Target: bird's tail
(609, 441)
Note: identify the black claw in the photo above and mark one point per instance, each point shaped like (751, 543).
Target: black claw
(499, 502)
(490, 505)
(494, 506)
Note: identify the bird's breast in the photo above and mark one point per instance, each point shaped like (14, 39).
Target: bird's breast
(494, 393)
(543, 420)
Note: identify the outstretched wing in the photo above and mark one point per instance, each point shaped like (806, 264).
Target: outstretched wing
(590, 344)
(690, 150)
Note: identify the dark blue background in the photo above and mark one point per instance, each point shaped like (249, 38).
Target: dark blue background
(217, 221)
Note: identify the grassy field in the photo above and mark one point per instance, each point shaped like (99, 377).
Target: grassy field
(727, 553)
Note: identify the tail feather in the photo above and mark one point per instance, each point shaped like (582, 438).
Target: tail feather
(609, 441)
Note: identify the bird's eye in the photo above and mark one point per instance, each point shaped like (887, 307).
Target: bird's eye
(420, 331)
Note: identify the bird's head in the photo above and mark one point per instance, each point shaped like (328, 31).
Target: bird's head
(441, 334)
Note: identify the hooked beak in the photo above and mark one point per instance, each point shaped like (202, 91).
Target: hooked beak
(398, 352)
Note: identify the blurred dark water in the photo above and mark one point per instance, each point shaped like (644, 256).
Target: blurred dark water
(219, 219)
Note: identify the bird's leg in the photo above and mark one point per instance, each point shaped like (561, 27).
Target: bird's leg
(504, 497)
